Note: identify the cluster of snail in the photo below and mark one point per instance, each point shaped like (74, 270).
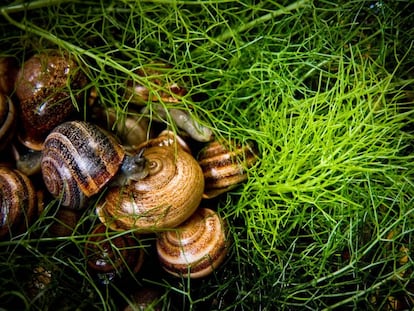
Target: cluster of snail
(145, 184)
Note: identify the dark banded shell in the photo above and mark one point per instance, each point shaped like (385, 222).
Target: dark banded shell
(110, 255)
(225, 166)
(78, 159)
(7, 121)
(196, 247)
(18, 201)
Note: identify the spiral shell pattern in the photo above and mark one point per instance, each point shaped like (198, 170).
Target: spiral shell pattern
(112, 254)
(78, 159)
(7, 121)
(224, 166)
(196, 247)
(18, 201)
(166, 197)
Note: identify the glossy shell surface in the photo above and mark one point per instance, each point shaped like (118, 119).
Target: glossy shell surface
(18, 201)
(42, 86)
(169, 194)
(79, 159)
(196, 247)
(225, 166)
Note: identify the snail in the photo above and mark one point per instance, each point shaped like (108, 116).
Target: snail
(65, 221)
(145, 298)
(47, 85)
(224, 165)
(195, 248)
(111, 255)
(7, 121)
(166, 197)
(8, 73)
(132, 128)
(158, 74)
(164, 90)
(18, 201)
(80, 158)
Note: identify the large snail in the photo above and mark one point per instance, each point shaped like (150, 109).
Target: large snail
(166, 197)
(196, 247)
(48, 86)
(18, 201)
(7, 121)
(110, 255)
(225, 165)
(79, 159)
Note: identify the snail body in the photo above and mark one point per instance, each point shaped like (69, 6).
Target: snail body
(109, 256)
(196, 247)
(224, 166)
(166, 197)
(7, 121)
(18, 201)
(45, 86)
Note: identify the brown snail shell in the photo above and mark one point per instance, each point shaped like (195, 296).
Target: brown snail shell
(196, 247)
(8, 73)
(65, 221)
(45, 86)
(166, 197)
(7, 121)
(145, 298)
(162, 87)
(18, 201)
(110, 256)
(225, 166)
(78, 159)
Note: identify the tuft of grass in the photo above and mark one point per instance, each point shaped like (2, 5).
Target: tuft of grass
(325, 89)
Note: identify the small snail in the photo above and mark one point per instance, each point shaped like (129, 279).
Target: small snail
(163, 199)
(111, 255)
(46, 85)
(7, 121)
(163, 89)
(18, 201)
(145, 298)
(224, 166)
(161, 85)
(79, 159)
(196, 247)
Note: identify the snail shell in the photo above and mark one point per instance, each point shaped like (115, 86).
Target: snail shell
(18, 201)
(78, 159)
(8, 73)
(196, 247)
(7, 121)
(110, 256)
(45, 86)
(224, 166)
(166, 197)
(162, 88)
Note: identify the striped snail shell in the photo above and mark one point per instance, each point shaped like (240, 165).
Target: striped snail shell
(18, 201)
(196, 247)
(111, 255)
(78, 159)
(166, 197)
(45, 86)
(7, 121)
(225, 165)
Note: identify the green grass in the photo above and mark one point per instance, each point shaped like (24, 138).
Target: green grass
(325, 90)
